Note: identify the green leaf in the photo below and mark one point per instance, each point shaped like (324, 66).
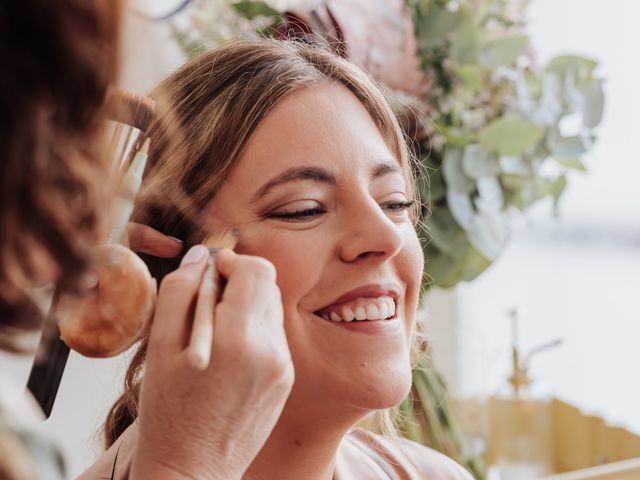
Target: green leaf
(471, 75)
(466, 42)
(572, 163)
(565, 63)
(436, 26)
(454, 175)
(447, 271)
(477, 163)
(554, 188)
(475, 263)
(593, 104)
(567, 148)
(510, 136)
(489, 234)
(191, 48)
(440, 269)
(461, 208)
(490, 196)
(503, 51)
(445, 233)
(435, 186)
(252, 9)
(456, 138)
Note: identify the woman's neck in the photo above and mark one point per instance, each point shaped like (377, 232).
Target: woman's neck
(301, 445)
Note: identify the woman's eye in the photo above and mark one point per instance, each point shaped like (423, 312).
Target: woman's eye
(297, 214)
(398, 207)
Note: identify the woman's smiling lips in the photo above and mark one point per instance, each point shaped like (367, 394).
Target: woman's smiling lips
(370, 308)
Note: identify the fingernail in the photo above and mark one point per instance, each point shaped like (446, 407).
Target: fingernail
(194, 255)
(176, 239)
(89, 280)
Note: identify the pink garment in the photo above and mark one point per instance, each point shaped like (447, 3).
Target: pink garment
(362, 456)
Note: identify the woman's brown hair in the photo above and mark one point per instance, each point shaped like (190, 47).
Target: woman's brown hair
(58, 58)
(211, 107)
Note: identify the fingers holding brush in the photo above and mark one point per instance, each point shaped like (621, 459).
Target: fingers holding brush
(249, 321)
(201, 341)
(176, 299)
(234, 403)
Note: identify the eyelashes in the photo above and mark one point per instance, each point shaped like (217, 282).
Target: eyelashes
(296, 214)
(310, 213)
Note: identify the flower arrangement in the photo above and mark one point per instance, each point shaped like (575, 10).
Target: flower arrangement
(494, 131)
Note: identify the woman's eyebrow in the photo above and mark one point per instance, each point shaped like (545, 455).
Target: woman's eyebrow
(319, 175)
(385, 168)
(315, 174)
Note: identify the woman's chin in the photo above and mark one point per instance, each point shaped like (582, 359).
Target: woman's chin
(378, 393)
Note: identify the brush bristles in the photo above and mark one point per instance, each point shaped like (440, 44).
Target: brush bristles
(130, 108)
(224, 239)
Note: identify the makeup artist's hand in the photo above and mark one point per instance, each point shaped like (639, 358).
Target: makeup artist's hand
(144, 239)
(211, 424)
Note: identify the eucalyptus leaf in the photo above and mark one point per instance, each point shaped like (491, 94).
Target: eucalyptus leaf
(566, 147)
(475, 263)
(454, 175)
(490, 198)
(556, 187)
(503, 51)
(510, 136)
(478, 163)
(456, 138)
(564, 64)
(489, 234)
(446, 271)
(466, 42)
(550, 106)
(440, 268)
(252, 9)
(436, 188)
(572, 163)
(593, 104)
(514, 164)
(470, 74)
(436, 26)
(445, 233)
(461, 208)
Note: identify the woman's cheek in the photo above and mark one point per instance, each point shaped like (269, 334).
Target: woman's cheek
(296, 259)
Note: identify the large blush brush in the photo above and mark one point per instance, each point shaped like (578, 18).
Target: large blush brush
(202, 329)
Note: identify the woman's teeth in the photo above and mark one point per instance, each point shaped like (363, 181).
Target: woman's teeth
(362, 309)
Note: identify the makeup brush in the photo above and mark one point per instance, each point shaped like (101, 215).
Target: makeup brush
(201, 341)
(132, 113)
(130, 108)
(128, 191)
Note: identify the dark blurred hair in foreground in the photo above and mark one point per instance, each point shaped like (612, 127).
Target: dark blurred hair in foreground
(58, 59)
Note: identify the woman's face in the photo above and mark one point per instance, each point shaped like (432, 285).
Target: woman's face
(319, 194)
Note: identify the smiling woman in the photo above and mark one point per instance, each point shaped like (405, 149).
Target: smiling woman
(300, 152)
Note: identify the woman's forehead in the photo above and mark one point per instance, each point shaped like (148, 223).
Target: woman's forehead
(319, 125)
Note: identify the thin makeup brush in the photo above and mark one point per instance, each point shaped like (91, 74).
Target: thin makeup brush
(201, 341)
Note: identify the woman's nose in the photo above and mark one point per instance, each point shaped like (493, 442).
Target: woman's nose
(369, 233)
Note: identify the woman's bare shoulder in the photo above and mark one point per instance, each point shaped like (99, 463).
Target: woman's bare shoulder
(406, 458)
